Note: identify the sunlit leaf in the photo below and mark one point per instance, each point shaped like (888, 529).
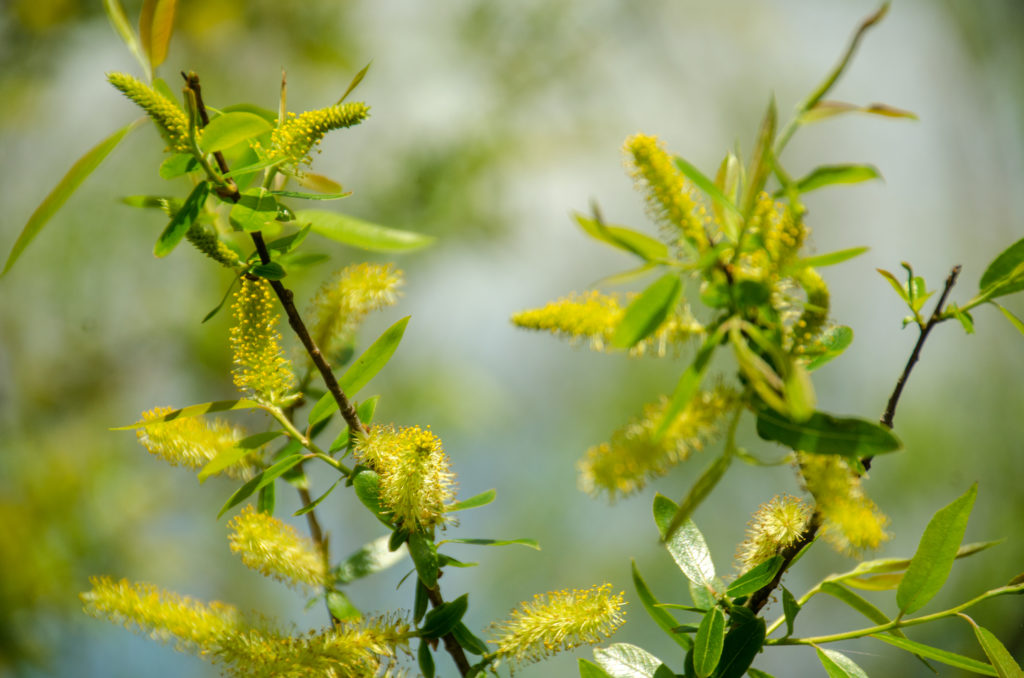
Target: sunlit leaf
(362, 234)
(827, 109)
(829, 175)
(182, 220)
(707, 482)
(933, 560)
(648, 311)
(707, 646)
(834, 341)
(424, 556)
(832, 258)
(355, 82)
(371, 558)
(1014, 320)
(647, 248)
(838, 665)
(706, 185)
(82, 168)
(1005, 274)
(622, 660)
(532, 543)
(790, 608)
(1005, 665)
(824, 434)
(156, 24)
(311, 196)
(119, 20)
(260, 481)
(341, 608)
(686, 545)
(481, 499)
(194, 411)
(589, 669)
(944, 656)
(756, 578)
(762, 160)
(229, 129)
(662, 618)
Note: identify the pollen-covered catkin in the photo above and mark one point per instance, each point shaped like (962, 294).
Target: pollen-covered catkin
(344, 300)
(557, 621)
(194, 441)
(261, 370)
(774, 526)
(853, 523)
(274, 549)
(170, 120)
(298, 134)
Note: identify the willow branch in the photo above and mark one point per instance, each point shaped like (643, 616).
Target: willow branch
(450, 644)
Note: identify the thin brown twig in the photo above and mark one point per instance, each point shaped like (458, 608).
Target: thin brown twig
(450, 644)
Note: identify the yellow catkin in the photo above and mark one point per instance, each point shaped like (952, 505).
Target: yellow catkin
(671, 200)
(205, 239)
(274, 549)
(773, 527)
(195, 626)
(194, 442)
(343, 302)
(632, 457)
(852, 522)
(557, 621)
(297, 136)
(415, 477)
(261, 370)
(170, 120)
(592, 318)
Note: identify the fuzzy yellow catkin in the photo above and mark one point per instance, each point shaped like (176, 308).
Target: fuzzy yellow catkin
(205, 239)
(632, 456)
(298, 134)
(557, 621)
(170, 120)
(274, 549)
(852, 522)
(592, 317)
(415, 477)
(671, 199)
(344, 300)
(773, 527)
(261, 370)
(193, 441)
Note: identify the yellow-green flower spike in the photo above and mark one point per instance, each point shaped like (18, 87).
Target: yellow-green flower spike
(557, 621)
(853, 523)
(195, 626)
(194, 442)
(298, 134)
(261, 371)
(342, 303)
(671, 200)
(205, 239)
(274, 549)
(632, 457)
(170, 120)
(415, 477)
(774, 526)
(592, 317)
(815, 313)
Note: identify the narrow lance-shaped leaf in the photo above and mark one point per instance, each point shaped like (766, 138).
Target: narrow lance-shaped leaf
(443, 618)
(1014, 320)
(647, 312)
(933, 560)
(742, 644)
(194, 411)
(756, 578)
(424, 557)
(830, 175)
(707, 646)
(622, 660)
(260, 481)
(589, 669)
(660, 616)
(371, 558)
(706, 185)
(690, 381)
(70, 182)
(531, 543)
(362, 370)
(229, 129)
(362, 234)
(838, 665)
(1006, 666)
(647, 248)
(834, 341)
(316, 502)
(156, 24)
(481, 499)
(827, 109)
(1004, 275)
(824, 434)
(686, 546)
(790, 608)
(762, 160)
(832, 258)
(944, 656)
(119, 20)
(182, 220)
(701, 489)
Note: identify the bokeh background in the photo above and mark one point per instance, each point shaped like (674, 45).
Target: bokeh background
(491, 122)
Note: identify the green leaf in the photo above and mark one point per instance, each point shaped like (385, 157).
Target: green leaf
(425, 659)
(933, 560)
(706, 185)
(790, 608)
(316, 502)
(622, 660)
(233, 455)
(838, 665)
(741, 646)
(424, 556)
(756, 673)
(761, 161)
(1017, 322)
(355, 82)
(728, 181)
(877, 582)
(421, 601)
(362, 234)
(589, 669)
(245, 170)
(827, 109)
(662, 618)
(1006, 666)
(701, 489)
(1004, 275)
(366, 485)
(371, 558)
(119, 20)
(824, 434)
(532, 543)
(194, 411)
(834, 341)
(944, 656)
(156, 23)
(829, 175)
(686, 545)
(620, 237)
(271, 271)
(690, 381)
(82, 168)
(707, 647)
(254, 211)
(855, 601)
(289, 242)
(182, 220)
(311, 196)
(229, 129)
(443, 618)
(177, 165)
(318, 183)
(267, 499)
(756, 578)
(832, 258)
(896, 285)
(469, 641)
(647, 312)
(362, 370)
(260, 481)
(341, 608)
(482, 499)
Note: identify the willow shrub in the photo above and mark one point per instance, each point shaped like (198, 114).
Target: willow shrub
(733, 244)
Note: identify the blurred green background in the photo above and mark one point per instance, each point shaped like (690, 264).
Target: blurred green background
(490, 123)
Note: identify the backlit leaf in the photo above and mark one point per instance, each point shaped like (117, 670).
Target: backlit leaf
(362, 234)
(838, 665)
(832, 258)
(260, 481)
(589, 669)
(824, 434)
(756, 578)
(620, 237)
(371, 558)
(622, 660)
(481, 499)
(1005, 274)
(829, 175)
(834, 341)
(661, 617)
(194, 411)
(182, 220)
(686, 546)
(229, 129)
(706, 185)
(944, 656)
(156, 23)
(647, 312)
